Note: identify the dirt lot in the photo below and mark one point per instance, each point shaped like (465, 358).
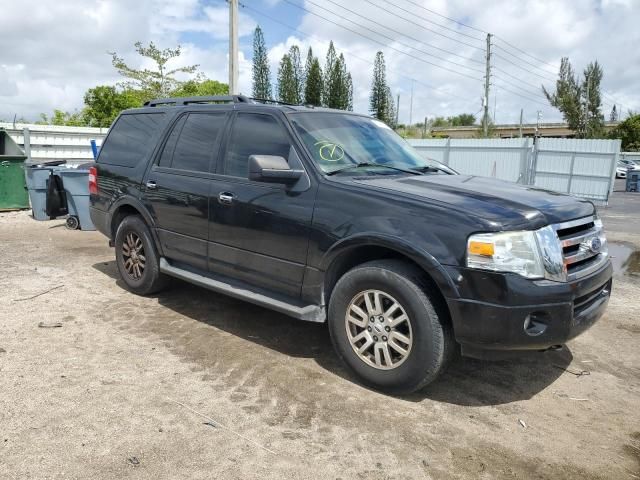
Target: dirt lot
(191, 384)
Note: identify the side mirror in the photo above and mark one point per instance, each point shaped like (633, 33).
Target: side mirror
(272, 169)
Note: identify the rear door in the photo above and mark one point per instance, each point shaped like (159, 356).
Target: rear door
(177, 186)
(259, 232)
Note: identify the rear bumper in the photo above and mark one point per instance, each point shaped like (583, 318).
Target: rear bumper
(508, 312)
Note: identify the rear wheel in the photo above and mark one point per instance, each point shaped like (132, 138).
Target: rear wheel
(388, 327)
(136, 257)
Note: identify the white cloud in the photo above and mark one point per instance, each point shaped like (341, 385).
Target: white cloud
(52, 55)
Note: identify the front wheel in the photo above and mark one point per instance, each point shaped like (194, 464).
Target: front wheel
(388, 327)
(136, 257)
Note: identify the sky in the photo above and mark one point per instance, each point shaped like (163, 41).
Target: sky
(52, 51)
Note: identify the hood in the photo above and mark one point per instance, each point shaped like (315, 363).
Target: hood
(500, 204)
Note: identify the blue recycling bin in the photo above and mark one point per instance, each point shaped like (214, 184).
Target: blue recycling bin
(37, 178)
(76, 186)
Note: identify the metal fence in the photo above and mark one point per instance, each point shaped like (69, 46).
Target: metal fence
(49, 142)
(584, 168)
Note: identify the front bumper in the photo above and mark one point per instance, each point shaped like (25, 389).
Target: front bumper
(500, 311)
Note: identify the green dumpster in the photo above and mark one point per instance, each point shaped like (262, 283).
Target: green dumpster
(13, 192)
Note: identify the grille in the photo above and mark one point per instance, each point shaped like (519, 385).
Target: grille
(583, 244)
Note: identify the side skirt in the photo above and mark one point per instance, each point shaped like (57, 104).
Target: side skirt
(244, 291)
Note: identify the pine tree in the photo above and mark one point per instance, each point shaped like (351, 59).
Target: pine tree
(307, 67)
(391, 109)
(298, 72)
(613, 117)
(349, 93)
(379, 97)
(287, 86)
(314, 85)
(261, 72)
(594, 121)
(328, 72)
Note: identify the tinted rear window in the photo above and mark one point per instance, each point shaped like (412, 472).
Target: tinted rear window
(130, 139)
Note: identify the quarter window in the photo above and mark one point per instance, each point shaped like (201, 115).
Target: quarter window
(254, 134)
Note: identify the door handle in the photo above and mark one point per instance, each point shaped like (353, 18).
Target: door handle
(225, 198)
(151, 185)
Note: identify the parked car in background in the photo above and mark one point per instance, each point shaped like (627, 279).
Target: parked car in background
(330, 216)
(624, 166)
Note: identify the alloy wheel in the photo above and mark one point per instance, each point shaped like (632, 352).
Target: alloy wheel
(133, 255)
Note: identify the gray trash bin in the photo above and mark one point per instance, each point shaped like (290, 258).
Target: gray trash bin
(37, 178)
(76, 185)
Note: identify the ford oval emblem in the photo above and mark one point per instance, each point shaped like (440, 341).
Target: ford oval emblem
(595, 245)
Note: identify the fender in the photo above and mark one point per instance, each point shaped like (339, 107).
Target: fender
(128, 200)
(420, 256)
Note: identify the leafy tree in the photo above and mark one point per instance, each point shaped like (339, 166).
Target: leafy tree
(287, 84)
(314, 85)
(158, 82)
(379, 98)
(60, 117)
(104, 103)
(629, 132)
(579, 100)
(613, 116)
(440, 122)
(462, 120)
(195, 88)
(330, 62)
(298, 72)
(261, 71)
(349, 93)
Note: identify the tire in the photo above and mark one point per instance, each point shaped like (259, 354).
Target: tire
(134, 242)
(72, 222)
(431, 345)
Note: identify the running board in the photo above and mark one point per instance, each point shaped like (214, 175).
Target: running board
(311, 313)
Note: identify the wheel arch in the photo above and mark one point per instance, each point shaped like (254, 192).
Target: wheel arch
(361, 249)
(130, 206)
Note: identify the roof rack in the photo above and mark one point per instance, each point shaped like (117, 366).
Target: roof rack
(178, 101)
(270, 101)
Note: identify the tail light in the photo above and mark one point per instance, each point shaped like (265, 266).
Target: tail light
(93, 181)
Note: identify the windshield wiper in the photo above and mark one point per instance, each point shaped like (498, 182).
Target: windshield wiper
(429, 169)
(372, 164)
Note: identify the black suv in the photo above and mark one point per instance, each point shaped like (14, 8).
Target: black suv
(328, 215)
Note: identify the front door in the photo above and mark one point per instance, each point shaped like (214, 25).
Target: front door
(259, 232)
(177, 186)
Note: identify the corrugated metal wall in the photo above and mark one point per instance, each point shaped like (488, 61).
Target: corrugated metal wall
(51, 142)
(584, 168)
(505, 159)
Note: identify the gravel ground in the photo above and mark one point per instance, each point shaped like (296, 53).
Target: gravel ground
(192, 384)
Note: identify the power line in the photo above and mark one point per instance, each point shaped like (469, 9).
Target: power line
(403, 34)
(381, 43)
(387, 36)
(523, 52)
(304, 34)
(537, 102)
(444, 16)
(427, 20)
(504, 72)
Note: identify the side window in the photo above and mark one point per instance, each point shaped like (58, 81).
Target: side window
(193, 142)
(170, 145)
(130, 139)
(254, 134)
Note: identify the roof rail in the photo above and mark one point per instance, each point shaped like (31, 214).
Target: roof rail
(270, 100)
(178, 101)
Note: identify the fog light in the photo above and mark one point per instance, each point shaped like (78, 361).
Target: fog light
(535, 324)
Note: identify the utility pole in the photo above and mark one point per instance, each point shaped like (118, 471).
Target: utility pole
(397, 110)
(411, 106)
(424, 128)
(538, 124)
(487, 77)
(233, 47)
(521, 112)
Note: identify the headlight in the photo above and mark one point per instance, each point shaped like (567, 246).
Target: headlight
(515, 252)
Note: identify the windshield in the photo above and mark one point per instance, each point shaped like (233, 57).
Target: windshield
(359, 145)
